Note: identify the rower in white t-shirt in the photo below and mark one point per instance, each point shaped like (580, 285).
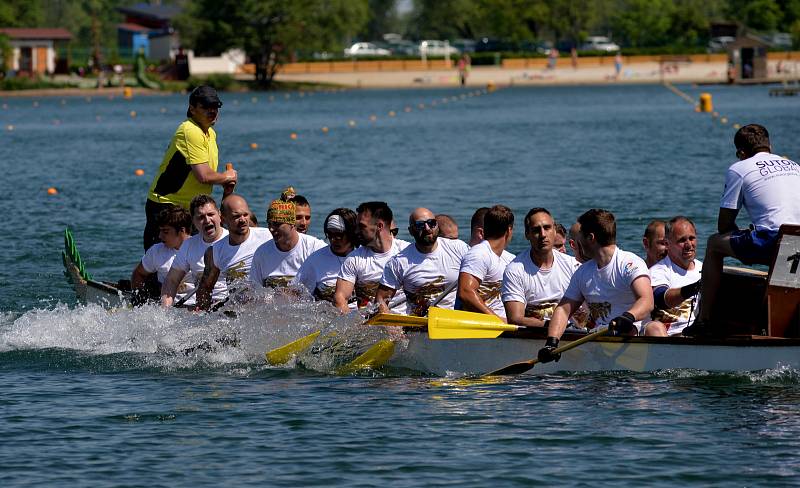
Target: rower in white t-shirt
(191, 256)
(676, 280)
(614, 283)
(423, 270)
(363, 268)
(534, 281)
(767, 186)
(275, 263)
(318, 273)
(174, 224)
(230, 259)
(481, 274)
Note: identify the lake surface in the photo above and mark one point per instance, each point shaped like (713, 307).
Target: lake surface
(105, 399)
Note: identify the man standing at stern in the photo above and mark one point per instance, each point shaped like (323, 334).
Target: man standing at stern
(189, 167)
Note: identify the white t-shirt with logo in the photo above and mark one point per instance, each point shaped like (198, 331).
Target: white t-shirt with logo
(667, 273)
(234, 262)
(318, 274)
(767, 186)
(364, 268)
(191, 259)
(607, 290)
(158, 259)
(423, 277)
(482, 263)
(539, 289)
(275, 268)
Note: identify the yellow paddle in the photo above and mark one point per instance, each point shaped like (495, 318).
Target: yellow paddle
(523, 366)
(283, 354)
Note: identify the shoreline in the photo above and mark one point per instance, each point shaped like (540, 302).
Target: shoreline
(704, 73)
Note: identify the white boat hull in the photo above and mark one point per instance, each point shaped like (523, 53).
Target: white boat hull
(481, 356)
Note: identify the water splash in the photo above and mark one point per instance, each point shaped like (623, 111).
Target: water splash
(235, 336)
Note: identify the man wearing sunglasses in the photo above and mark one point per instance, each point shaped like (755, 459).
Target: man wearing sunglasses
(189, 167)
(423, 271)
(482, 268)
(276, 262)
(363, 268)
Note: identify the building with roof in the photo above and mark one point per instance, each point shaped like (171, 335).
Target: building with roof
(149, 28)
(37, 51)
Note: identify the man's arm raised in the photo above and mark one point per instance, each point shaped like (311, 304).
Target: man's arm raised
(208, 176)
(344, 290)
(207, 281)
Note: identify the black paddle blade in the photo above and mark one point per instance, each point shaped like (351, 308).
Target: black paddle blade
(516, 368)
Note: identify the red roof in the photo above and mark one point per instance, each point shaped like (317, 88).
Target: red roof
(133, 27)
(36, 33)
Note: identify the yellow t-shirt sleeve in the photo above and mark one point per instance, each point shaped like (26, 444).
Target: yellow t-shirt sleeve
(193, 146)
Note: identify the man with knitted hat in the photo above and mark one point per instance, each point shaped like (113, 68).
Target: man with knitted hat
(276, 262)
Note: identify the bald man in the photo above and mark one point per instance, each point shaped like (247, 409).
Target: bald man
(448, 228)
(425, 270)
(230, 259)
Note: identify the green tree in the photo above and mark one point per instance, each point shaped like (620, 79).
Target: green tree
(383, 18)
(21, 13)
(270, 31)
(443, 19)
(761, 15)
(639, 23)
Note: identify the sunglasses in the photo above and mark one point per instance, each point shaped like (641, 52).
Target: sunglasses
(334, 235)
(420, 224)
(394, 231)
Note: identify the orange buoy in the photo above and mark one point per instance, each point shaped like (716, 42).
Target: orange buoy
(293, 135)
(738, 126)
(724, 120)
(324, 130)
(9, 127)
(127, 93)
(52, 191)
(421, 106)
(407, 109)
(133, 114)
(392, 113)
(139, 172)
(163, 110)
(373, 118)
(253, 145)
(351, 123)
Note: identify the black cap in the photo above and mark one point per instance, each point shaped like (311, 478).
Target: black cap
(206, 96)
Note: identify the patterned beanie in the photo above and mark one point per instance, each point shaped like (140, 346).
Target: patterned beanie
(281, 211)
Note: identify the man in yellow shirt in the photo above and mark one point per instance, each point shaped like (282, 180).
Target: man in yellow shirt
(189, 167)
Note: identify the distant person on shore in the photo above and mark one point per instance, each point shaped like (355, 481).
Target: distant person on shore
(573, 54)
(766, 185)
(614, 283)
(464, 67)
(189, 167)
(174, 227)
(617, 65)
(448, 228)
(534, 282)
(552, 58)
(481, 275)
(230, 259)
(676, 280)
(560, 242)
(191, 256)
(424, 269)
(654, 242)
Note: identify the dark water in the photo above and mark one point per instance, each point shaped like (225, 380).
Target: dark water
(92, 398)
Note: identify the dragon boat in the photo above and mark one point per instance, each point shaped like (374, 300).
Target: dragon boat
(87, 289)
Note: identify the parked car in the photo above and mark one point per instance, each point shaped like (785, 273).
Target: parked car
(719, 44)
(402, 47)
(464, 45)
(781, 40)
(599, 43)
(437, 48)
(491, 45)
(366, 49)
